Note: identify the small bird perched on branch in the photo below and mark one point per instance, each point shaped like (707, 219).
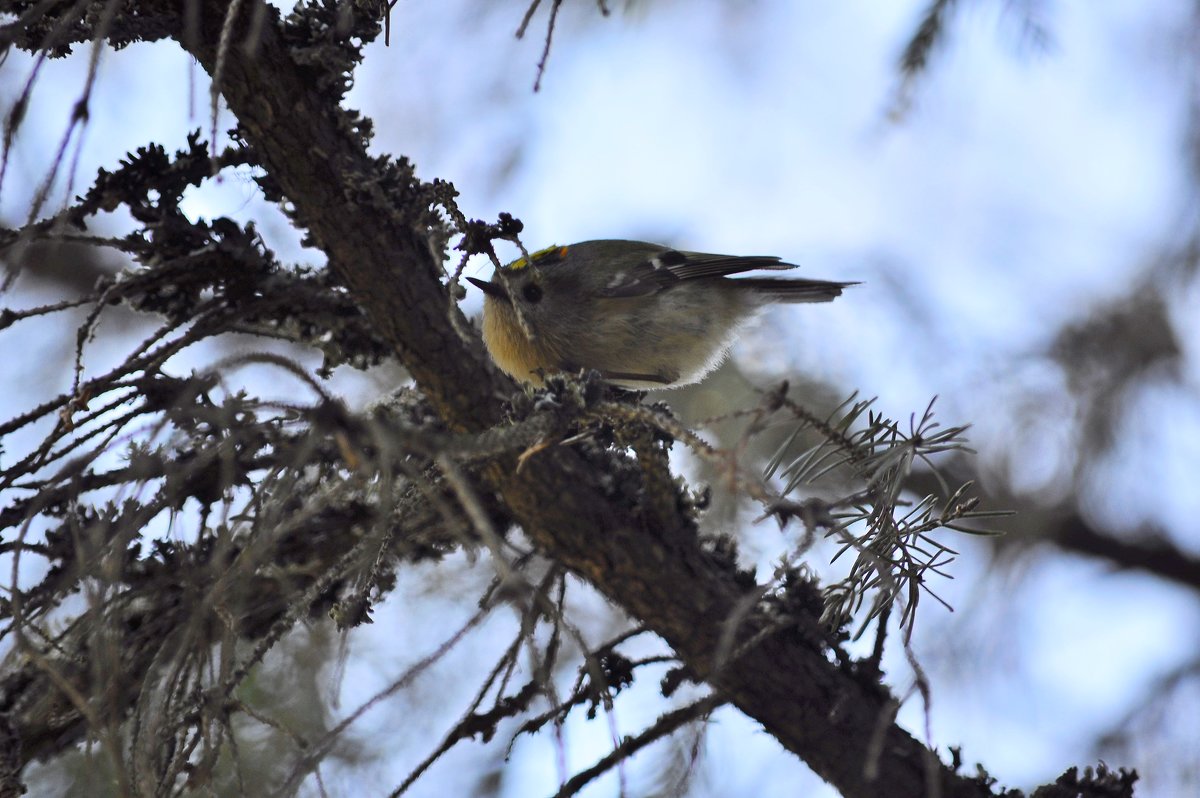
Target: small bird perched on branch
(643, 315)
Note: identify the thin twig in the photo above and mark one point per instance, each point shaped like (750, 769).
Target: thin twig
(665, 725)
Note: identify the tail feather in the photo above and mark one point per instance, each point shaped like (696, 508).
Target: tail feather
(795, 289)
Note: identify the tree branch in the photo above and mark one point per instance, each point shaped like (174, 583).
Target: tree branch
(587, 509)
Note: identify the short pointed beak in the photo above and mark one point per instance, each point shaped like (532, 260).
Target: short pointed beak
(493, 290)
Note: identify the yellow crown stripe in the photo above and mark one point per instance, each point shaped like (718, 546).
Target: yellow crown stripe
(548, 254)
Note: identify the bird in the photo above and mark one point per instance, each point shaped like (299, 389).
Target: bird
(643, 315)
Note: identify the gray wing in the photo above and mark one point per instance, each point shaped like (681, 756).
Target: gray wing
(670, 266)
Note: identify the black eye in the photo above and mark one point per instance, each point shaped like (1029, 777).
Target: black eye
(532, 292)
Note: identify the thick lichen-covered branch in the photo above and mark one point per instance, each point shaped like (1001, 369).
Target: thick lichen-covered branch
(351, 490)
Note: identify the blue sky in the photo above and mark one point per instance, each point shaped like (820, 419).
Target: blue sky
(1024, 188)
